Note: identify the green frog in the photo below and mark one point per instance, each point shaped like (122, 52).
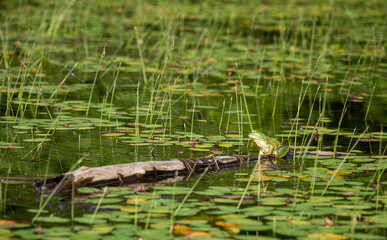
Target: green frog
(269, 145)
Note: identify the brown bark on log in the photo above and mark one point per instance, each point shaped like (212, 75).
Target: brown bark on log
(138, 172)
(144, 171)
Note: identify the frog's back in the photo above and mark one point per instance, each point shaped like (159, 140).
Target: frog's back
(273, 141)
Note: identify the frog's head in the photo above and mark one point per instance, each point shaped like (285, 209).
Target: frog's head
(256, 134)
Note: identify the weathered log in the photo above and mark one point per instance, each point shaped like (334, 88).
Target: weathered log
(139, 172)
(143, 172)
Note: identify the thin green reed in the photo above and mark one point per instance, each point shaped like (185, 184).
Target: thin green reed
(380, 168)
(54, 93)
(301, 99)
(241, 122)
(114, 88)
(237, 105)
(256, 167)
(369, 104)
(137, 123)
(342, 162)
(260, 71)
(192, 118)
(156, 86)
(221, 115)
(189, 193)
(172, 217)
(98, 205)
(58, 16)
(229, 114)
(304, 156)
(139, 43)
(95, 80)
(42, 206)
(244, 98)
(304, 139)
(4, 46)
(343, 111)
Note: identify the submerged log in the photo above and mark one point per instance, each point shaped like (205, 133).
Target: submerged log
(143, 172)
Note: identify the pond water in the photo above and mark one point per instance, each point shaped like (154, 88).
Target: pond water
(136, 81)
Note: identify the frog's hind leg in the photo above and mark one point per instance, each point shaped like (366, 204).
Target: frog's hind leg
(281, 151)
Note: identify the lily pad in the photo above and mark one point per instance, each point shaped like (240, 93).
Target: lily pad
(36, 140)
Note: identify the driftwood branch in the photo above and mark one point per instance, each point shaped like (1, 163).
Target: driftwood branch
(145, 172)
(139, 172)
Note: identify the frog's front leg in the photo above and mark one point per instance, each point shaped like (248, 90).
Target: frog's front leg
(270, 151)
(263, 151)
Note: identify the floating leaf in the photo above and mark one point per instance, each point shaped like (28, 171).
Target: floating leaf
(88, 190)
(113, 134)
(87, 220)
(199, 149)
(53, 219)
(327, 236)
(36, 140)
(104, 200)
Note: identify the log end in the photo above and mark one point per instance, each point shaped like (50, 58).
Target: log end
(59, 184)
